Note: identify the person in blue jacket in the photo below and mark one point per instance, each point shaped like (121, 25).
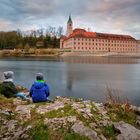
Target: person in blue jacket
(39, 90)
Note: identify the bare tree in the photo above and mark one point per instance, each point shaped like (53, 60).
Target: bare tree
(59, 31)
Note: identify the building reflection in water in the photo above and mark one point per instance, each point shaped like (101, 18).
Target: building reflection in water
(100, 60)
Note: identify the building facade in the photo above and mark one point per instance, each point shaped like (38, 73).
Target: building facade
(82, 40)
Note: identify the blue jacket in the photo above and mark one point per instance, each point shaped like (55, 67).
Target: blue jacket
(39, 91)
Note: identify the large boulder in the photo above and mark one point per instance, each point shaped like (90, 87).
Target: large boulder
(79, 128)
(127, 131)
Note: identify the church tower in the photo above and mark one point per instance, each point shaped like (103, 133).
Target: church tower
(69, 26)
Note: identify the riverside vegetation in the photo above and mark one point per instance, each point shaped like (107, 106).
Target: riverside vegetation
(69, 119)
(31, 52)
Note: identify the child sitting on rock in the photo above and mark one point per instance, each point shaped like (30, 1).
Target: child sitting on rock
(7, 87)
(39, 90)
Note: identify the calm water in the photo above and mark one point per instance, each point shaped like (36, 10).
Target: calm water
(82, 77)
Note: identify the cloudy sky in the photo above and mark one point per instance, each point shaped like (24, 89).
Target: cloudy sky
(110, 16)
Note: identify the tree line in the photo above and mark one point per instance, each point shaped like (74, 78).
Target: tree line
(42, 38)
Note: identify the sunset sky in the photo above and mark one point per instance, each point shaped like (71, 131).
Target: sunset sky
(110, 16)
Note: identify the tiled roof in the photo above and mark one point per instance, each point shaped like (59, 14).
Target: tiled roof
(83, 33)
(113, 36)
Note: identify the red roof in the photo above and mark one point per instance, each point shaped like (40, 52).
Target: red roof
(83, 33)
(113, 36)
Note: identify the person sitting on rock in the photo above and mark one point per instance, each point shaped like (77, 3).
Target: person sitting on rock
(39, 90)
(8, 88)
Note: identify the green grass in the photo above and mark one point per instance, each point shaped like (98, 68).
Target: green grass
(122, 115)
(39, 132)
(109, 132)
(74, 136)
(66, 111)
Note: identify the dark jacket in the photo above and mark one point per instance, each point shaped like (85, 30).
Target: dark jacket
(8, 89)
(39, 91)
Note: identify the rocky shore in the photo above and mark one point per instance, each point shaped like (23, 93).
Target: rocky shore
(101, 54)
(34, 52)
(68, 119)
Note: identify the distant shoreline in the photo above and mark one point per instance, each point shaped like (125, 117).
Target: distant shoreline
(111, 54)
(60, 53)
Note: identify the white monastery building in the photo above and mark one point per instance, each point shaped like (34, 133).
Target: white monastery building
(82, 40)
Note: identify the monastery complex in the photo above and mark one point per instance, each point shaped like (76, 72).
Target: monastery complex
(85, 41)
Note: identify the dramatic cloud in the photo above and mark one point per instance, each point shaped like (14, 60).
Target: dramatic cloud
(112, 16)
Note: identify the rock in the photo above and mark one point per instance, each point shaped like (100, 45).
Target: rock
(46, 108)
(28, 127)
(6, 112)
(85, 131)
(135, 109)
(101, 109)
(104, 123)
(71, 119)
(56, 123)
(25, 111)
(20, 133)
(102, 137)
(77, 105)
(127, 131)
(138, 120)
(18, 101)
(65, 100)
(86, 111)
(93, 125)
(11, 125)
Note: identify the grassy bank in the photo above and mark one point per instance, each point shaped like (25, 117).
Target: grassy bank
(30, 52)
(64, 119)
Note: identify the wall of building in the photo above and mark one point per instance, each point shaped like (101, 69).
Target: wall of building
(100, 45)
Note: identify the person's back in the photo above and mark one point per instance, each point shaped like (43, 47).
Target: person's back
(7, 87)
(39, 90)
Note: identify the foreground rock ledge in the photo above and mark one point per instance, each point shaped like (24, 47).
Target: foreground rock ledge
(93, 121)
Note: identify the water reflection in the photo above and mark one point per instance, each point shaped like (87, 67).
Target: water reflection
(100, 60)
(82, 77)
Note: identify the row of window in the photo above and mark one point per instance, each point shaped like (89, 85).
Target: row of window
(101, 40)
(104, 49)
(99, 44)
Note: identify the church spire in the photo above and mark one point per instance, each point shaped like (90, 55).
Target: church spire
(69, 26)
(70, 20)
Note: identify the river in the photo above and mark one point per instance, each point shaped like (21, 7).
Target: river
(82, 77)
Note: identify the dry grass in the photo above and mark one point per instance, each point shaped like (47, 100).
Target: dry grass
(113, 98)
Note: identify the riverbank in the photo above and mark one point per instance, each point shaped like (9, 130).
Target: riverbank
(34, 52)
(68, 119)
(101, 54)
